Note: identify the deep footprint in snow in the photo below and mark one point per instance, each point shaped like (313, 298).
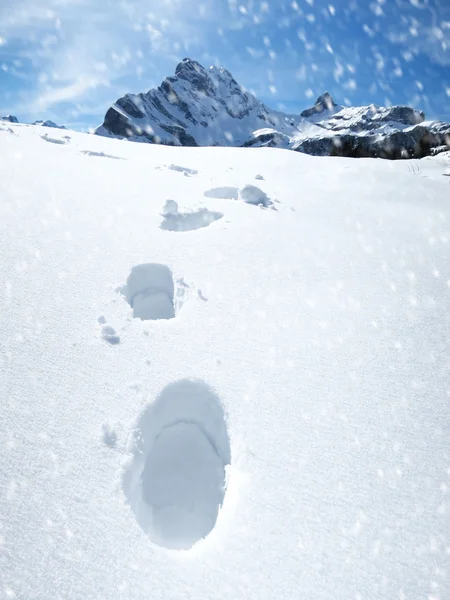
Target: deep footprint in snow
(175, 480)
(150, 291)
(250, 194)
(176, 221)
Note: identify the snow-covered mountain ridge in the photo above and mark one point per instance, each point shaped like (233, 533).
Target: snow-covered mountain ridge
(207, 107)
(47, 123)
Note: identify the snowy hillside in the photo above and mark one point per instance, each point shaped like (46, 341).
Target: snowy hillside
(224, 372)
(207, 107)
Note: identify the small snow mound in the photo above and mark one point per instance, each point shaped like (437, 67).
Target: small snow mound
(223, 193)
(109, 334)
(170, 208)
(175, 480)
(251, 194)
(149, 291)
(190, 221)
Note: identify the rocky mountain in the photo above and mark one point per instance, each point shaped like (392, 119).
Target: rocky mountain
(207, 107)
(195, 107)
(49, 124)
(9, 119)
(323, 103)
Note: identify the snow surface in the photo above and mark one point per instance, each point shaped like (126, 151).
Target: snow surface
(294, 409)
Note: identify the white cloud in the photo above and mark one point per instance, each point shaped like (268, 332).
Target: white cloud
(54, 95)
(75, 47)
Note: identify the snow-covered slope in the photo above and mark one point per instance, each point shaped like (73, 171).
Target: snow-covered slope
(178, 361)
(207, 107)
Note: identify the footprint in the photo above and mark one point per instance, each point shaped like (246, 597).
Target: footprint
(223, 193)
(109, 334)
(53, 140)
(251, 194)
(176, 221)
(7, 129)
(175, 480)
(150, 291)
(101, 154)
(259, 177)
(184, 170)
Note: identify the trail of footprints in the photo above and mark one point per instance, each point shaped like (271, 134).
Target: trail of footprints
(175, 478)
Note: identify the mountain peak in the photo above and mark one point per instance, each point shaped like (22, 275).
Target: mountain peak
(188, 65)
(324, 102)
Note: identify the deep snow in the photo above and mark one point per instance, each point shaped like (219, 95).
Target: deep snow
(282, 387)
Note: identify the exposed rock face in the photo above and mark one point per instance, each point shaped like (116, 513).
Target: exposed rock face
(207, 107)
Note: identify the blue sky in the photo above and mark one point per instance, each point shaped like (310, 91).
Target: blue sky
(68, 60)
